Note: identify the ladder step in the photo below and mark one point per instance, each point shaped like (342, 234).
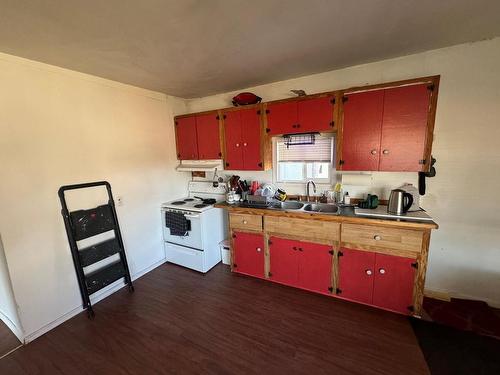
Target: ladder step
(98, 252)
(91, 222)
(105, 276)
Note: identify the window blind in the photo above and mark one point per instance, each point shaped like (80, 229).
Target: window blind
(320, 151)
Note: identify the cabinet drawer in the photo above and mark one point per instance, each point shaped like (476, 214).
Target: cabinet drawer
(373, 237)
(246, 221)
(304, 228)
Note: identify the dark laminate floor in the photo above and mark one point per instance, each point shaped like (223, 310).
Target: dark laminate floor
(8, 340)
(179, 321)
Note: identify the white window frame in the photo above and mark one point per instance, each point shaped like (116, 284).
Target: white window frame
(316, 180)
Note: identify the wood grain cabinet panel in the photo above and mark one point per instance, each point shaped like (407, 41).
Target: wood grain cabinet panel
(404, 242)
(307, 229)
(248, 253)
(246, 222)
(404, 128)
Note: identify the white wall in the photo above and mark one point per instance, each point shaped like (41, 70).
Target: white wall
(465, 251)
(61, 127)
(8, 306)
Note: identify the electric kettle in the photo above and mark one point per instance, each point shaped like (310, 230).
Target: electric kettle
(399, 202)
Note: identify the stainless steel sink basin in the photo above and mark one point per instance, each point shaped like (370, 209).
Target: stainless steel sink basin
(288, 205)
(321, 207)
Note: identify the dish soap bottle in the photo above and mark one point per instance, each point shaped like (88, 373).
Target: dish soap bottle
(347, 198)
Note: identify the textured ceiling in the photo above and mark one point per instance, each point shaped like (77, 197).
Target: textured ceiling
(193, 48)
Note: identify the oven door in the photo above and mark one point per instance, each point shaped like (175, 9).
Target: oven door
(193, 237)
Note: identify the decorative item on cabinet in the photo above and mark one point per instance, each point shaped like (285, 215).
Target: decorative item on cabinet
(246, 98)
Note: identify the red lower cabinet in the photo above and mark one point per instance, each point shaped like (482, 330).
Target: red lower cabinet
(300, 264)
(394, 280)
(284, 261)
(315, 267)
(356, 275)
(381, 280)
(248, 253)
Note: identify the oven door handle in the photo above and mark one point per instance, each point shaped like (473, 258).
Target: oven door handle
(192, 216)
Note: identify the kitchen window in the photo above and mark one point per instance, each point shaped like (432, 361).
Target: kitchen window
(302, 162)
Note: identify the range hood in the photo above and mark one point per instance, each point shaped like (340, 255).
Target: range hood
(200, 165)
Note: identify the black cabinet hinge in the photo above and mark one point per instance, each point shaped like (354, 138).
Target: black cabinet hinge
(415, 265)
(217, 117)
(235, 265)
(268, 130)
(332, 101)
(340, 254)
(178, 155)
(338, 291)
(177, 123)
(220, 153)
(422, 161)
(259, 112)
(430, 87)
(268, 111)
(330, 252)
(341, 162)
(344, 99)
(224, 117)
(227, 164)
(269, 274)
(411, 308)
(269, 242)
(330, 289)
(234, 235)
(260, 164)
(332, 124)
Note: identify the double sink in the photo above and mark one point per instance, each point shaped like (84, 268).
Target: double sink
(320, 208)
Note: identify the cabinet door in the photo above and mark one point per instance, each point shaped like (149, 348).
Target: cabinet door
(284, 261)
(404, 128)
(315, 267)
(207, 128)
(356, 275)
(233, 137)
(394, 281)
(361, 131)
(187, 144)
(250, 128)
(315, 115)
(282, 118)
(248, 253)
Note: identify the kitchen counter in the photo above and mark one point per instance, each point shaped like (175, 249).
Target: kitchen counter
(342, 218)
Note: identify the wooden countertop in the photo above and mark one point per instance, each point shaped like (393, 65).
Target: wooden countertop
(399, 223)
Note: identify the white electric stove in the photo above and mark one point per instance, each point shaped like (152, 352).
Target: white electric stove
(197, 248)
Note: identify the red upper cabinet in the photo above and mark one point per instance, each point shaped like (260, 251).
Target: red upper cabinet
(300, 116)
(233, 140)
(248, 253)
(282, 118)
(243, 140)
(356, 275)
(207, 129)
(363, 114)
(315, 115)
(386, 129)
(284, 261)
(404, 128)
(315, 267)
(187, 144)
(394, 281)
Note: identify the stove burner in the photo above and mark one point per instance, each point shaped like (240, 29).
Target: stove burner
(201, 205)
(188, 200)
(178, 203)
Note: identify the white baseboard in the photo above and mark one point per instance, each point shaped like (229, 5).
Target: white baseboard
(12, 326)
(96, 297)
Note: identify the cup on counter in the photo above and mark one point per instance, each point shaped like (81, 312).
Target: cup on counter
(236, 198)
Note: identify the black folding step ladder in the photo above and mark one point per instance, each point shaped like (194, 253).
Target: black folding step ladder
(82, 224)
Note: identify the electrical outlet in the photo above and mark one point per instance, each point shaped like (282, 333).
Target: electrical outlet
(119, 201)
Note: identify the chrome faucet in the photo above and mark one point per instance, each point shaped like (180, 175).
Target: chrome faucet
(307, 188)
